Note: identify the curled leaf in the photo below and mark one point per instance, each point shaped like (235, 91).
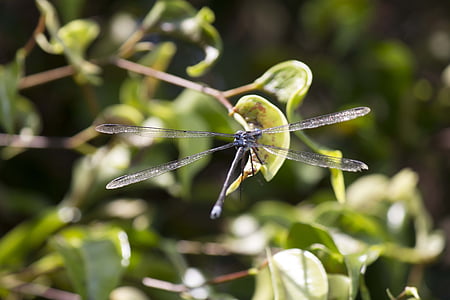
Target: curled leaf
(289, 81)
(256, 112)
(71, 40)
(179, 19)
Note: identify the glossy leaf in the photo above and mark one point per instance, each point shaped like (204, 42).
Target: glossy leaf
(178, 18)
(256, 112)
(9, 79)
(94, 258)
(298, 274)
(289, 81)
(71, 40)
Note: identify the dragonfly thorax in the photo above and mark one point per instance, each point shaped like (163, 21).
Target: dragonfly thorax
(246, 139)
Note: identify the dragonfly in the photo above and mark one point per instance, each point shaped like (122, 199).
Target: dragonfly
(245, 142)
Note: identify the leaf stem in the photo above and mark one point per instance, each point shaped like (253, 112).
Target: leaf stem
(240, 90)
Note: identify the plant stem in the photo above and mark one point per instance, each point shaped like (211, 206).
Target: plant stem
(40, 27)
(46, 76)
(137, 68)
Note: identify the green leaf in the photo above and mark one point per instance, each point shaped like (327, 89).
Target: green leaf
(253, 112)
(357, 264)
(298, 274)
(304, 235)
(94, 258)
(337, 176)
(289, 81)
(263, 288)
(357, 225)
(316, 239)
(10, 75)
(187, 115)
(71, 40)
(179, 19)
(27, 237)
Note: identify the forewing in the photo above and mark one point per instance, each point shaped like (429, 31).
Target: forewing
(161, 169)
(156, 131)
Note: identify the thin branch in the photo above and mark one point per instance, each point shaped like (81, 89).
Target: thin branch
(137, 68)
(40, 27)
(40, 290)
(76, 142)
(37, 142)
(232, 276)
(164, 285)
(46, 76)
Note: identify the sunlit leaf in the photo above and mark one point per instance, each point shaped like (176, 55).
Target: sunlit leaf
(409, 293)
(94, 258)
(178, 18)
(298, 274)
(289, 81)
(257, 112)
(337, 177)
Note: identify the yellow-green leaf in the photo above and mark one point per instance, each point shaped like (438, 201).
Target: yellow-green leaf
(337, 176)
(256, 112)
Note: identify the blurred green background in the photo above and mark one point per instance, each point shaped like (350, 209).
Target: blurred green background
(392, 56)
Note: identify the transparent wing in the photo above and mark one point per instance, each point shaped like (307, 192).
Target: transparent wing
(317, 159)
(319, 121)
(161, 169)
(156, 131)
